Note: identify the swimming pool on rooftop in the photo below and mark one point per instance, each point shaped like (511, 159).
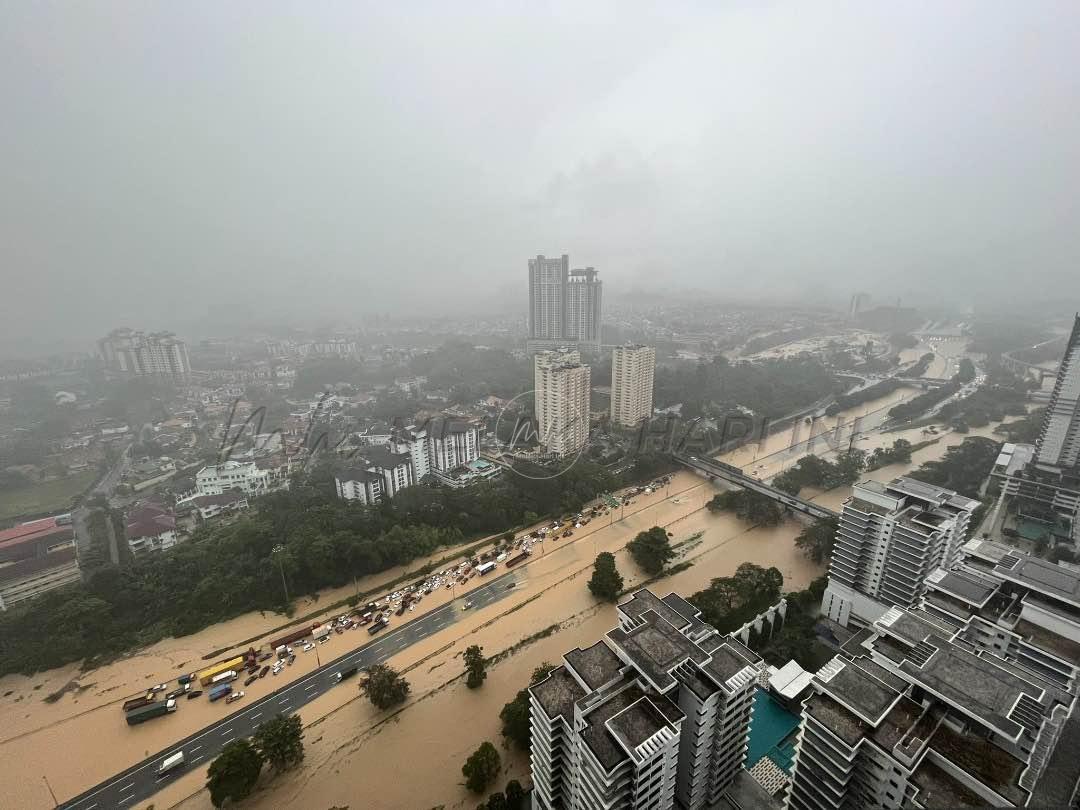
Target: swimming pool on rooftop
(772, 732)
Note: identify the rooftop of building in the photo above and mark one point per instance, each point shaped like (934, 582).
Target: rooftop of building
(836, 718)
(596, 735)
(856, 689)
(229, 496)
(358, 474)
(637, 723)
(865, 506)
(1048, 641)
(595, 665)
(379, 455)
(976, 686)
(898, 722)
(1040, 575)
(990, 764)
(35, 565)
(968, 587)
(911, 626)
(35, 530)
(655, 647)
(727, 662)
(150, 520)
(939, 789)
(939, 496)
(557, 693)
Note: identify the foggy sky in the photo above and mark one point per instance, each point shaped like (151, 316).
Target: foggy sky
(184, 165)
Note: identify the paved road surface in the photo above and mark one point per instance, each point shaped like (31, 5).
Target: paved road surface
(140, 781)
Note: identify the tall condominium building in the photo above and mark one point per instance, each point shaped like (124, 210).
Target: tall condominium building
(890, 538)
(562, 389)
(565, 306)
(632, 370)
(656, 715)
(1044, 480)
(968, 701)
(1059, 443)
(157, 353)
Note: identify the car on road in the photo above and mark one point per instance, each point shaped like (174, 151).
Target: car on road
(161, 687)
(235, 696)
(194, 694)
(250, 680)
(568, 533)
(277, 669)
(263, 671)
(467, 605)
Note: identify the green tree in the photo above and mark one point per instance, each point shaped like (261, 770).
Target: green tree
(384, 687)
(481, 768)
(233, 775)
(530, 518)
(280, 741)
(475, 666)
(729, 602)
(816, 540)
(752, 507)
(606, 582)
(651, 550)
(515, 795)
(497, 801)
(515, 714)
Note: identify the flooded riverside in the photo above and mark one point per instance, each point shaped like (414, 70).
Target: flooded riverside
(359, 758)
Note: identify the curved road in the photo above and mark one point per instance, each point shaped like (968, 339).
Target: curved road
(140, 781)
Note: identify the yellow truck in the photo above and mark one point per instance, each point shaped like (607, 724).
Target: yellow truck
(208, 674)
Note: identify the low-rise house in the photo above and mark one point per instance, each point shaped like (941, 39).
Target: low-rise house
(151, 527)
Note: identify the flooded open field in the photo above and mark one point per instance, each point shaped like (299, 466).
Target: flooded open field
(414, 756)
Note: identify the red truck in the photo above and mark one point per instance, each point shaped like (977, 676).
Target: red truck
(518, 558)
(289, 638)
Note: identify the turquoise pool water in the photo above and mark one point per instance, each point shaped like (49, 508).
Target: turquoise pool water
(771, 732)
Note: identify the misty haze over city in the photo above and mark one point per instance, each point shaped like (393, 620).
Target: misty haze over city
(224, 166)
(552, 406)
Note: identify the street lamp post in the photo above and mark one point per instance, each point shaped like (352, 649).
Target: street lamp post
(277, 552)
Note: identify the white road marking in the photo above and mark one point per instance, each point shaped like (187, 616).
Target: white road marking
(195, 748)
(257, 714)
(127, 787)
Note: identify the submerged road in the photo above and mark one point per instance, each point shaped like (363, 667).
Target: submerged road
(141, 781)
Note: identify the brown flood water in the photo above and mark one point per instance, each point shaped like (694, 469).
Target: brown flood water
(355, 757)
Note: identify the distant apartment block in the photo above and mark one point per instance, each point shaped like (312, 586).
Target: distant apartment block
(36, 557)
(890, 537)
(1059, 443)
(562, 391)
(653, 716)
(377, 472)
(632, 372)
(138, 353)
(565, 306)
(968, 700)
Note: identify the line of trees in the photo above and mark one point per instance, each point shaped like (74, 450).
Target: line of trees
(753, 507)
(278, 742)
(814, 471)
(305, 535)
(899, 453)
(925, 401)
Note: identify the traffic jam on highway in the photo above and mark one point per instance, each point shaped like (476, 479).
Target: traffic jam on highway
(217, 681)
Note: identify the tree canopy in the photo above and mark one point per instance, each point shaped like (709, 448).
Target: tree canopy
(651, 550)
(280, 741)
(816, 540)
(729, 602)
(384, 687)
(233, 774)
(515, 714)
(606, 582)
(747, 505)
(482, 767)
(475, 666)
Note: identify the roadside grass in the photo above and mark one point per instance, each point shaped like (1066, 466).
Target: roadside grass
(51, 496)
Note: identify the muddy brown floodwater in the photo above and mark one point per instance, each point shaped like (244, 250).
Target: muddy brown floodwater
(362, 759)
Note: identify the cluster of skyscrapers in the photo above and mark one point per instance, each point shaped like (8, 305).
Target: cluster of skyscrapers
(960, 686)
(564, 323)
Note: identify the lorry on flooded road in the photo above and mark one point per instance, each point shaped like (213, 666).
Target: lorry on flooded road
(144, 699)
(220, 691)
(149, 712)
(377, 625)
(485, 568)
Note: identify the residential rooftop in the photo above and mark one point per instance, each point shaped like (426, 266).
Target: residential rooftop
(656, 648)
(990, 764)
(557, 693)
(637, 723)
(595, 665)
(967, 587)
(856, 690)
(1040, 575)
(938, 789)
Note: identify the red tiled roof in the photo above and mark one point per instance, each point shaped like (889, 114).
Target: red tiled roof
(29, 532)
(150, 520)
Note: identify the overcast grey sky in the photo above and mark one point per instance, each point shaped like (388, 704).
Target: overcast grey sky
(176, 163)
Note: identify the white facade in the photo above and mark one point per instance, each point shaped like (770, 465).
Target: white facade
(245, 476)
(158, 353)
(1059, 442)
(654, 716)
(376, 473)
(562, 391)
(890, 538)
(632, 372)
